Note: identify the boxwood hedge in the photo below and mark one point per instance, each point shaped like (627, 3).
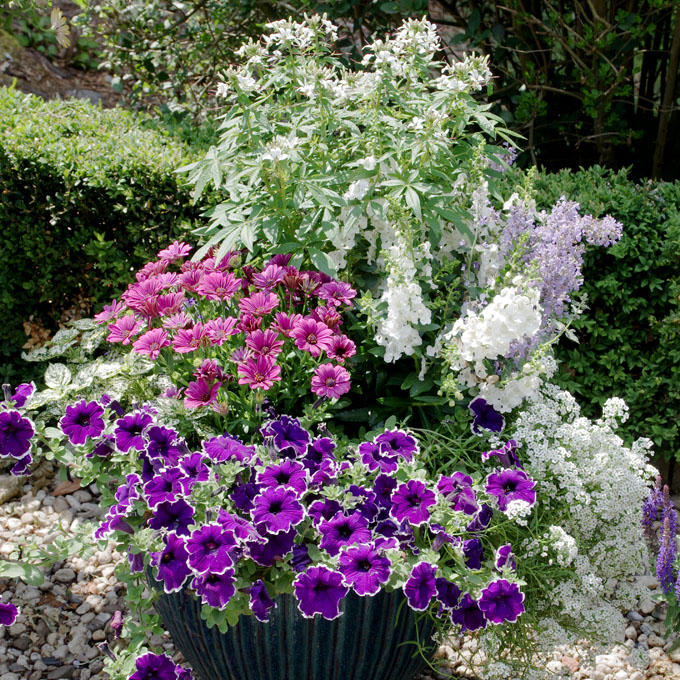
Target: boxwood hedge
(86, 196)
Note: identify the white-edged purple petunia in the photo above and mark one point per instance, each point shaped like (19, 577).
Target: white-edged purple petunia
(129, 431)
(421, 587)
(172, 563)
(468, 615)
(82, 421)
(209, 549)
(165, 486)
(320, 590)
(286, 432)
(215, 590)
(16, 433)
(288, 473)
(501, 601)
(510, 485)
(342, 530)
(175, 516)
(277, 509)
(260, 602)
(364, 568)
(411, 501)
(8, 614)
(505, 558)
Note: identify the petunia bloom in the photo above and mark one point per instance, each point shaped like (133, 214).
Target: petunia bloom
(22, 393)
(16, 433)
(411, 501)
(364, 569)
(343, 530)
(175, 516)
(129, 430)
(154, 667)
(510, 485)
(485, 416)
(287, 432)
(260, 602)
(501, 601)
(277, 509)
(81, 421)
(173, 569)
(209, 549)
(8, 614)
(468, 615)
(215, 590)
(320, 590)
(421, 587)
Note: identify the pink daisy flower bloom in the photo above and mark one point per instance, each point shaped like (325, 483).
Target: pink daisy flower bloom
(264, 343)
(190, 339)
(241, 355)
(259, 304)
(148, 308)
(177, 250)
(328, 315)
(249, 323)
(200, 393)
(151, 343)
(209, 370)
(168, 279)
(312, 336)
(123, 329)
(151, 270)
(175, 321)
(269, 277)
(285, 323)
(330, 381)
(218, 285)
(170, 303)
(109, 312)
(191, 279)
(341, 348)
(337, 293)
(260, 373)
(137, 293)
(291, 278)
(218, 330)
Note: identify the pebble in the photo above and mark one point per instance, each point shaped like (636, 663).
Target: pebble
(647, 607)
(65, 575)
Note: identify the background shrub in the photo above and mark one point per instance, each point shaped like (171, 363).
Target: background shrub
(86, 197)
(630, 335)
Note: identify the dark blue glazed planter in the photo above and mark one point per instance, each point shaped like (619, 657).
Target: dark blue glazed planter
(365, 643)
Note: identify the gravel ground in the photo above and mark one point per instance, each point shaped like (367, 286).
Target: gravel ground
(63, 620)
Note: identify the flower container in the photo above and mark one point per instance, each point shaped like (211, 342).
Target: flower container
(372, 639)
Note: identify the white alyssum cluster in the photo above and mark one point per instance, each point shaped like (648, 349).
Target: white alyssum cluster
(518, 511)
(513, 314)
(594, 487)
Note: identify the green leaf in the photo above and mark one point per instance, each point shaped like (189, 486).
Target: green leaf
(28, 573)
(413, 201)
(322, 262)
(57, 376)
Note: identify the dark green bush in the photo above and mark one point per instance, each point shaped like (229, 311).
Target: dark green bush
(630, 336)
(86, 196)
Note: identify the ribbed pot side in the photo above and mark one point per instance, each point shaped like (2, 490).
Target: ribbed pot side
(365, 643)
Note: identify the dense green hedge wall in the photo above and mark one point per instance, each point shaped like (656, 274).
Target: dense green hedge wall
(86, 196)
(630, 336)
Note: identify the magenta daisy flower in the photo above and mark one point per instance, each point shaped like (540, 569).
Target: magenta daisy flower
(181, 320)
(285, 323)
(259, 304)
(124, 329)
(151, 343)
(201, 393)
(191, 279)
(312, 336)
(139, 292)
(171, 303)
(264, 343)
(337, 293)
(109, 312)
(341, 348)
(218, 286)
(177, 250)
(82, 420)
(260, 373)
(330, 381)
(219, 330)
(269, 277)
(190, 339)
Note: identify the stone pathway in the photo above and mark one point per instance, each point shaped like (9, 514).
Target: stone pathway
(63, 620)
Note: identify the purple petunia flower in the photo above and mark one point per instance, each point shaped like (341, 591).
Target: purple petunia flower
(383, 487)
(226, 447)
(116, 623)
(474, 553)
(457, 489)
(260, 602)
(448, 594)
(343, 530)
(510, 485)
(209, 549)
(175, 516)
(468, 615)
(481, 520)
(485, 417)
(364, 569)
(193, 465)
(16, 433)
(129, 430)
(289, 473)
(164, 444)
(421, 587)
(173, 569)
(320, 591)
(21, 467)
(287, 433)
(323, 510)
(300, 559)
(504, 557)
(215, 589)
(128, 492)
(411, 501)
(81, 421)
(275, 546)
(136, 562)
(8, 614)
(165, 486)
(277, 509)
(243, 495)
(22, 393)
(506, 456)
(373, 458)
(397, 443)
(154, 667)
(501, 601)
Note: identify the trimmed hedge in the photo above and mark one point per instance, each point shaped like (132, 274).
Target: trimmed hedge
(630, 335)
(86, 197)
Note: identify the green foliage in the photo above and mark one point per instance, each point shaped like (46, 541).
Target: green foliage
(629, 337)
(87, 197)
